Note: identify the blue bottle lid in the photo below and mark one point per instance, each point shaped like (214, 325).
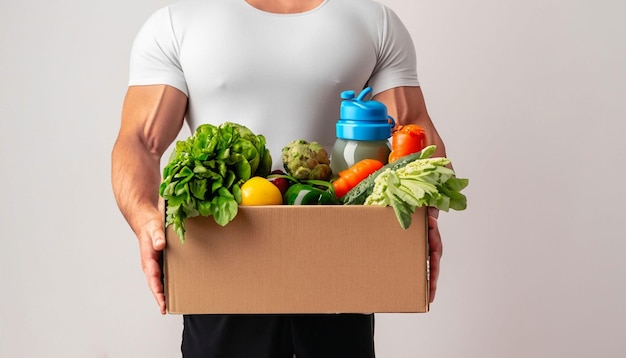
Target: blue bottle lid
(363, 119)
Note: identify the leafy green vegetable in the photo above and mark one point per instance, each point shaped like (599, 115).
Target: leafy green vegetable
(205, 173)
(423, 182)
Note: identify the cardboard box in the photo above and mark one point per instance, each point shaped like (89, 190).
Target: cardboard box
(299, 259)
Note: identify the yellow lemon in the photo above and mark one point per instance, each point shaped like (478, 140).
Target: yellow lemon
(260, 191)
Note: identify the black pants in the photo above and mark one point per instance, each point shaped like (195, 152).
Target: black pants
(278, 336)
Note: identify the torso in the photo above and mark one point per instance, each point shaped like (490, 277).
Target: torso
(279, 74)
(265, 58)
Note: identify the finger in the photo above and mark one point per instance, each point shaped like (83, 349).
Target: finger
(433, 211)
(151, 266)
(153, 276)
(434, 274)
(434, 237)
(435, 252)
(151, 245)
(157, 234)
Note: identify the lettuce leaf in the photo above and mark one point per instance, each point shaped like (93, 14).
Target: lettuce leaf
(205, 172)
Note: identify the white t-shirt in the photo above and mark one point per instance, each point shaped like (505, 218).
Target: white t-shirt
(281, 75)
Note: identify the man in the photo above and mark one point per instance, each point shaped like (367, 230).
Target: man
(278, 67)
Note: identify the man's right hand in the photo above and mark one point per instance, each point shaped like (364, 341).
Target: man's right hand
(151, 245)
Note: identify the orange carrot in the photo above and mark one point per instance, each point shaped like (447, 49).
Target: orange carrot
(352, 176)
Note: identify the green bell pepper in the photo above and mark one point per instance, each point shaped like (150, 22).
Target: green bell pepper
(305, 194)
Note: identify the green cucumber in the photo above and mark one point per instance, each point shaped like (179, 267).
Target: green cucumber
(358, 194)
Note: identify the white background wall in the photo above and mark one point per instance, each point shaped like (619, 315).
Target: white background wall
(529, 96)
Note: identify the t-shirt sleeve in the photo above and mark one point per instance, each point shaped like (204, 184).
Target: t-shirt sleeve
(397, 63)
(154, 57)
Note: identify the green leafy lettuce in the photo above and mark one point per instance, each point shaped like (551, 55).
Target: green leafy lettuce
(205, 173)
(423, 182)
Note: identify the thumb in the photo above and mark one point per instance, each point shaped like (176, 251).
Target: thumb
(158, 240)
(157, 235)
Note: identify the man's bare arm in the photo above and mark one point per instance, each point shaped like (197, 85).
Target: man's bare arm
(152, 117)
(406, 105)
